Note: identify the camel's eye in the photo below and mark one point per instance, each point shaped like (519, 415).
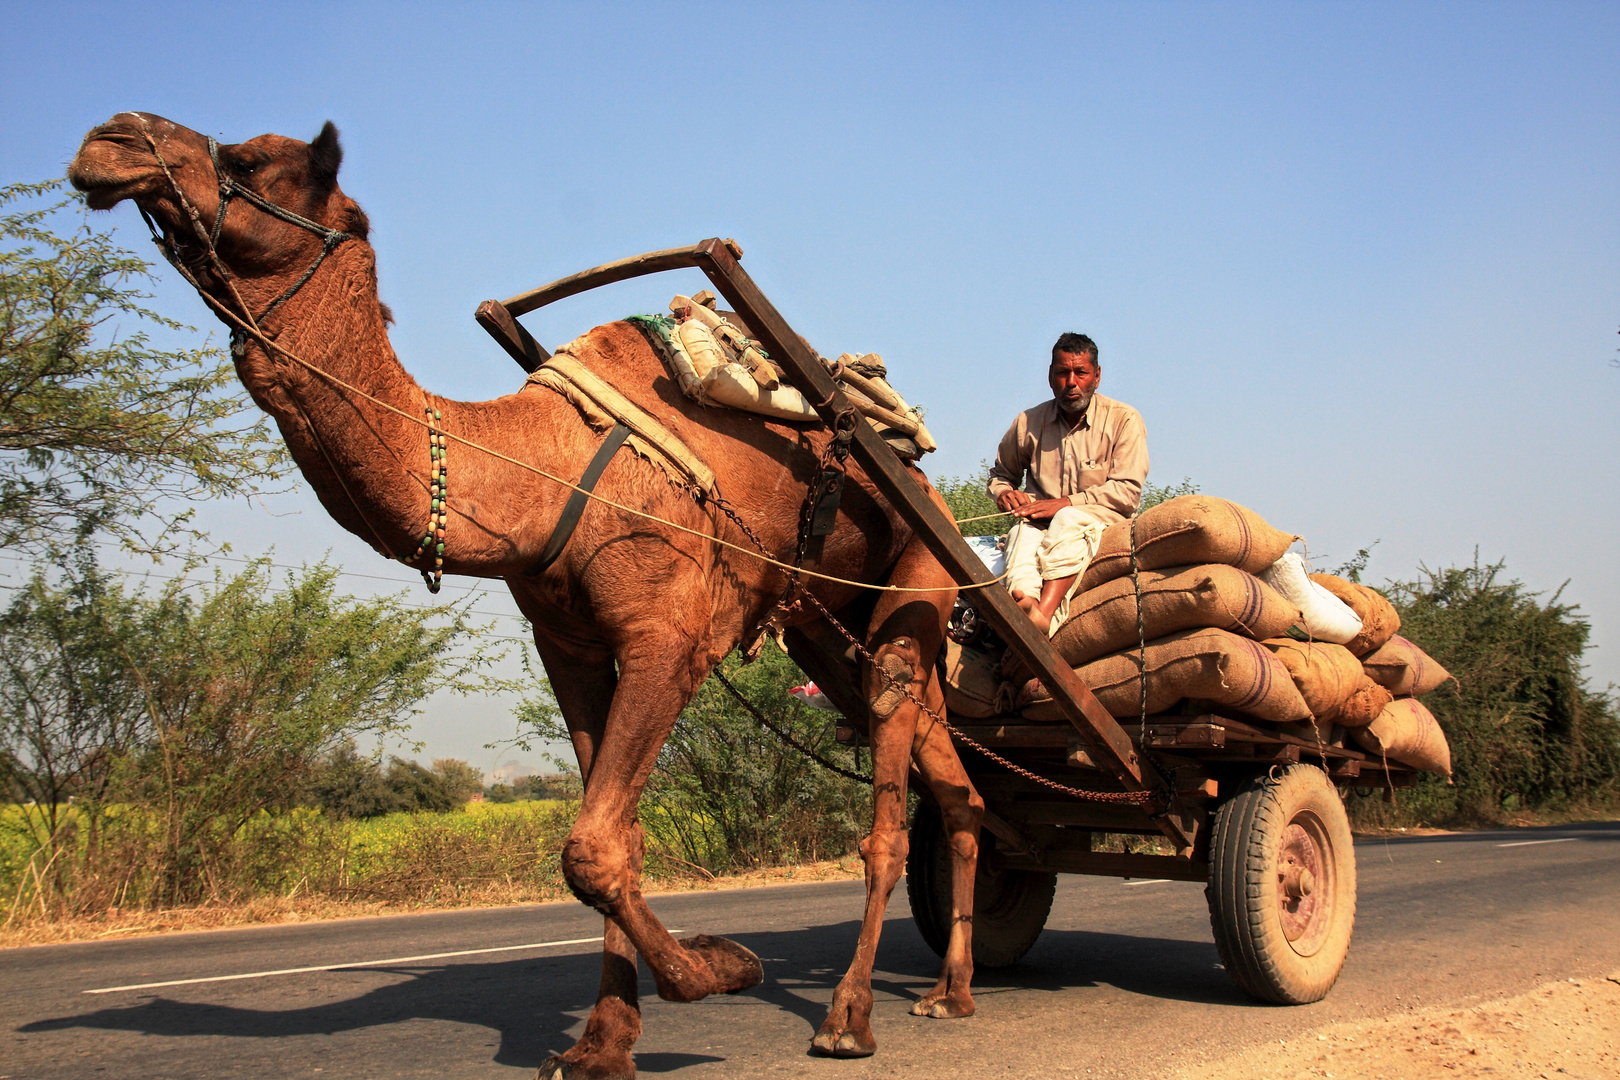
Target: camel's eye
(244, 166)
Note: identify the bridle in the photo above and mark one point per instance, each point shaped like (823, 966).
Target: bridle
(229, 189)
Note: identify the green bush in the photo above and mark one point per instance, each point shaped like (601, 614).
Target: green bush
(1526, 729)
(172, 720)
(725, 793)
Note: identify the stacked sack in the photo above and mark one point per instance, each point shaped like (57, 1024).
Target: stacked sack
(1232, 619)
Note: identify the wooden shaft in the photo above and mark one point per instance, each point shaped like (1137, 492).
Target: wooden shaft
(903, 424)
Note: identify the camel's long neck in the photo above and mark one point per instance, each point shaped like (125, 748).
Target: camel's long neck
(366, 453)
(368, 464)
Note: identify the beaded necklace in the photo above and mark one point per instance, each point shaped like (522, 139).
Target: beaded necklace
(438, 492)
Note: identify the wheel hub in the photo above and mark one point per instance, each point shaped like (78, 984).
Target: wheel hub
(1304, 902)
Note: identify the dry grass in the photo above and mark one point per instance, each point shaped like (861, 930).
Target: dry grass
(299, 909)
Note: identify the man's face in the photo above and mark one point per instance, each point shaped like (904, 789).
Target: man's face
(1073, 378)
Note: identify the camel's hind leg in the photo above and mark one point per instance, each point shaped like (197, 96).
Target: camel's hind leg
(908, 630)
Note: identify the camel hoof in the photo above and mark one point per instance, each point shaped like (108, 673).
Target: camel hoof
(735, 968)
(557, 1067)
(944, 1007)
(843, 1044)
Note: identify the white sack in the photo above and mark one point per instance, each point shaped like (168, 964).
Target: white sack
(1326, 616)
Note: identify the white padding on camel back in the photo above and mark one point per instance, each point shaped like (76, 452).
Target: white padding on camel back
(733, 385)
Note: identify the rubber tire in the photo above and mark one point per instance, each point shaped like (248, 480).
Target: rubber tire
(1009, 906)
(1244, 886)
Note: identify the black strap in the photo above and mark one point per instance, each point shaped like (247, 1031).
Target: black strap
(575, 507)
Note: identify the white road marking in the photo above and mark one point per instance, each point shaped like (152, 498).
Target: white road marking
(1527, 843)
(1147, 881)
(351, 964)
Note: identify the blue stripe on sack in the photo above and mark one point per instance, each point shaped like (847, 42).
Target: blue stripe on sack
(1262, 683)
(1248, 538)
(1253, 604)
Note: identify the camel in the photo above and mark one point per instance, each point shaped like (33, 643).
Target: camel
(634, 615)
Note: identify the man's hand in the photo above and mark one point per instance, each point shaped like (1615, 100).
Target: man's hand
(1041, 510)
(1024, 505)
(1011, 499)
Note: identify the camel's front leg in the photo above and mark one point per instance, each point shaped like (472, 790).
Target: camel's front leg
(585, 694)
(600, 861)
(904, 645)
(961, 810)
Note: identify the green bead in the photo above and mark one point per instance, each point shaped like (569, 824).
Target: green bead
(435, 504)
(436, 415)
(439, 550)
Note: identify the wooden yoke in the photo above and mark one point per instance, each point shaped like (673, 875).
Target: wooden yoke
(1109, 745)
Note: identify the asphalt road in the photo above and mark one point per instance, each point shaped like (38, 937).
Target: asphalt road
(1125, 980)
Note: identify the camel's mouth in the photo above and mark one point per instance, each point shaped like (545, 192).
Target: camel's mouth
(113, 164)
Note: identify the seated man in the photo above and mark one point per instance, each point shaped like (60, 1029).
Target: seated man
(1086, 458)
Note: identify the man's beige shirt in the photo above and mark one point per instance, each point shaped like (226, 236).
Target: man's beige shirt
(1100, 462)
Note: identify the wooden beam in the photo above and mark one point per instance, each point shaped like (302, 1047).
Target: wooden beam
(509, 334)
(1112, 864)
(586, 280)
(1110, 747)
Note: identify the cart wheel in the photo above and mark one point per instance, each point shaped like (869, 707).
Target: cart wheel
(1282, 886)
(1009, 906)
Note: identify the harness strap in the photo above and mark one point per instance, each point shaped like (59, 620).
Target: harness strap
(228, 189)
(575, 507)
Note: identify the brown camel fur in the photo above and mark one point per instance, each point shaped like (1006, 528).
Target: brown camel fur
(634, 615)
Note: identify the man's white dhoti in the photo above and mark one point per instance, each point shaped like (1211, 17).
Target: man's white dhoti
(1062, 547)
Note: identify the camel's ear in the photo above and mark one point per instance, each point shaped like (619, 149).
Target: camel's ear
(325, 155)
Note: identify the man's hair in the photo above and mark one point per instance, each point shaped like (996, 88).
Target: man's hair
(1075, 345)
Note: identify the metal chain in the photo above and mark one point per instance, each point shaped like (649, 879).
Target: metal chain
(830, 766)
(894, 683)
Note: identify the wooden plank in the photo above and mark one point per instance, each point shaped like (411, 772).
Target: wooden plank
(586, 280)
(1165, 736)
(496, 318)
(1109, 744)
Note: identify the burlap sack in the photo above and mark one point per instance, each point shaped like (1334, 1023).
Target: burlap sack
(1404, 668)
(1212, 665)
(1408, 733)
(1331, 681)
(1379, 620)
(1188, 531)
(970, 682)
(1104, 620)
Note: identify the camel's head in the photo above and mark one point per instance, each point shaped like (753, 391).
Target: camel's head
(116, 162)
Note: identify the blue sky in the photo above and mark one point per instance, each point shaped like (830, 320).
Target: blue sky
(1357, 265)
